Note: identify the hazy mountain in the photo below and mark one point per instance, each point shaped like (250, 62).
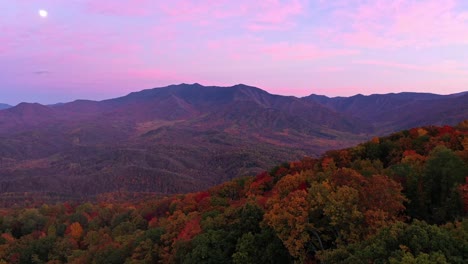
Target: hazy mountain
(4, 106)
(392, 112)
(185, 137)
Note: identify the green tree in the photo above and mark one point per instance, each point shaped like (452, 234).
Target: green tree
(272, 249)
(400, 243)
(210, 248)
(444, 172)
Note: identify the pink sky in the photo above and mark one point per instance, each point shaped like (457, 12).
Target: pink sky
(102, 49)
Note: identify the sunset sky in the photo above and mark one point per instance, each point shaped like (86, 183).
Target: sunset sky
(97, 49)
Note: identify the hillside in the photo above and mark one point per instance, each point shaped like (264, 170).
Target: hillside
(188, 137)
(4, 106)
(396, 199)
(392, 112)
(179, 138)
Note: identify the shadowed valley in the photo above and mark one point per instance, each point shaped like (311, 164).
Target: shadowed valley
(184, 138)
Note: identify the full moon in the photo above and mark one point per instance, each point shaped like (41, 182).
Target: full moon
(43, 13)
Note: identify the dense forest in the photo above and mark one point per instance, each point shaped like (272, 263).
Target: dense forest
(396, 199)
(189, 137)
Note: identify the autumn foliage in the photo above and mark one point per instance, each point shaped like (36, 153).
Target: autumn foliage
(364, 204)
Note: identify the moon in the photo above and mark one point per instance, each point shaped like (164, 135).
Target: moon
(43, 13)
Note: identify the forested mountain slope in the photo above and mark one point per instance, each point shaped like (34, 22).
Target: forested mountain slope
(188, 137)
(392, 112)
(402, 198)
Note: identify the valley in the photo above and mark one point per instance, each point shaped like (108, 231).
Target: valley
(187, 137)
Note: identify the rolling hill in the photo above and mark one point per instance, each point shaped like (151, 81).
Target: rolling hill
(354, 205)
(4, 106)
(392, 112)
(187, 137)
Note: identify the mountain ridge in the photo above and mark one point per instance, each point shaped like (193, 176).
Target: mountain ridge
(149, 90)
(186, 137)
(4, 106)
(383, 109)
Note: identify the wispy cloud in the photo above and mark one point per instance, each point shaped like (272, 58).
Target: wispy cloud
(276, 15)
(300, 51)
(41, 72)
(120, 45)
(121, 7)
(396, 24)
(446, 67)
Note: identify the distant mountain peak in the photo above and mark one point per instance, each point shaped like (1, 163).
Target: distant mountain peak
(25, 105)
(186, 85)
(31, 109)
(240, 85)
(183, 136)
(4, 106)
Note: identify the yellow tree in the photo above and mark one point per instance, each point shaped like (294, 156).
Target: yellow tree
(341, 208)
(76, 230)
(290, 183)
(290, 219)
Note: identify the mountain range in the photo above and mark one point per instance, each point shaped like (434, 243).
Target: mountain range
(391, 112)
(187, 137)
(4, 106)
